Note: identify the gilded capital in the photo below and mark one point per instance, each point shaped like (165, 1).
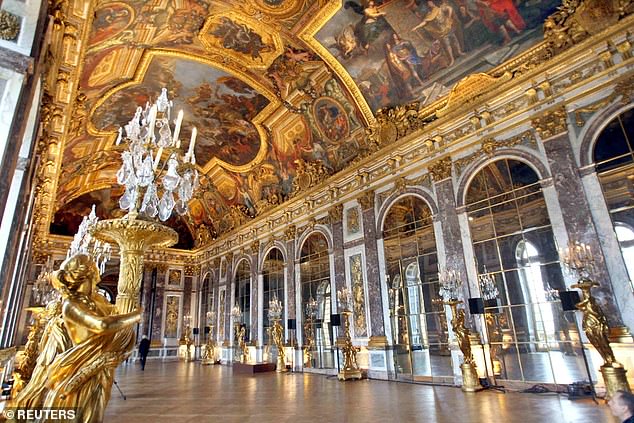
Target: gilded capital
(255, 247)
(441, 169)
(336, 213)
(366, 200)
(400, 185)
(290, 232)
(552, 122)
(192, 269)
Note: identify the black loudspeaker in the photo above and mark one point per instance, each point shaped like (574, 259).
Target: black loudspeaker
(207, 330)
(476, 306)
(569, 300)
(292, 324)
(195, 331)
(335, 319)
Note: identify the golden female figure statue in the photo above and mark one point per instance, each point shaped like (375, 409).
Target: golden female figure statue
(243, 345)
(81, 376)
(462, 333)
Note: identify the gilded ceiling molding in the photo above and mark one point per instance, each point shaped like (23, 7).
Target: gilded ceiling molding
(490, 145)
(308, 175)
(328, 8)
(550, 123)
(213, 60)
(441, 169)
(9, 26)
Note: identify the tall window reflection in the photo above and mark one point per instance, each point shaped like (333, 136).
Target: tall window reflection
(273, 285)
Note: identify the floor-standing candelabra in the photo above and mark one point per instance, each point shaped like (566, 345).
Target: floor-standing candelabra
(577, 258)
(350, 368)
(242, 352)
(450, 285)
(309, 331)
(209, 350)
(186, 340)
(277, 332)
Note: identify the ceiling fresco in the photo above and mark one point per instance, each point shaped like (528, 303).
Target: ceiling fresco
(398, 51)
(281, 91)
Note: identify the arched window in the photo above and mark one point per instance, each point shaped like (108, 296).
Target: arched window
(419, 324)
(206, 301)
(273, 284)
(515, 249)
(614, 160)
(243, 294)
(316, 301)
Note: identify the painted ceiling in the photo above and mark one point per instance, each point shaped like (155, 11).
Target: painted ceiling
(273, 86)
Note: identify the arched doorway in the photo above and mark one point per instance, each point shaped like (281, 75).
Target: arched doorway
(417, 315)
(520, 276)
(316, 302)
(614, 161)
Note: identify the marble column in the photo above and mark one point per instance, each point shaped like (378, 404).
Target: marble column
(336, 221)
(146, 298)
(215, 288)
(577, 215)
(157, 319)
(289, 235)
(375, 304)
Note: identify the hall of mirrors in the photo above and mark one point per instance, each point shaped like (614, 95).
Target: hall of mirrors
(368, 196)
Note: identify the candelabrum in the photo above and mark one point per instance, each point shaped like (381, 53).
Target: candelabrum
(350, 368)
(450, 289)
(240, 334)
(309, 330)
(186, 339)
(277, 332)
(577, 259)
(490, 294)
(209, 350)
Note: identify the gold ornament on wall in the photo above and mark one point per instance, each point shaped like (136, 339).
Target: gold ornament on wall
(441, 169)
(9, 26)
(552, 122)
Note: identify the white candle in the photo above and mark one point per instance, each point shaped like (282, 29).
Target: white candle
(177, 129)
(192, 142)
(158, 157)
(152, 120)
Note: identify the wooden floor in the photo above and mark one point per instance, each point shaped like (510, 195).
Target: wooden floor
(179, 392)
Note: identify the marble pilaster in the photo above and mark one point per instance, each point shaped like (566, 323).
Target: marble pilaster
(159, 293)
(578, 217)
(149, 274)
(337, 249)
(228, 298)
(255, 292)
(290, 273)
(375, 304)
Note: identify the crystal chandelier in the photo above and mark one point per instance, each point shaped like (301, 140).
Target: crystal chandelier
(84, 243)
(149, 138)
(211, 318)
(577, 259)
(487, 286)
(275, 308)
(311, 308)
(236, 313)
(450, 284)
(42, 291)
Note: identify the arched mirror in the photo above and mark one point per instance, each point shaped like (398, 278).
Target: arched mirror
(316, 302)
(243, 295)
(520, 276)
(273, 287)
(614, 160)
(419, 324)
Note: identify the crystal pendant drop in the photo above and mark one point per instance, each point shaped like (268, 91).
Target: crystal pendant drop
(150, 202)
(128, 198)
(165, 135)
(124, 173)
(166, 205)
(171, 178)
(145, 175)
(181, 207)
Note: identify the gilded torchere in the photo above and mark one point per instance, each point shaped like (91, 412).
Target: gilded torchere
(350, 370)
(450, 284)
(577, 258)
(277, 332)
(209, 349)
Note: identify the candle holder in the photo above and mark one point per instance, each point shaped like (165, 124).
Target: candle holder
(209, 350)
(309, 330)
(186, 340)
(277, 332)
(578, 259)
(350, 370)
(450, 289)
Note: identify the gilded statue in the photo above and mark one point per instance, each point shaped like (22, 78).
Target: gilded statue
(308, 345)
(277, 334)
(81, 347)
(595, 324)
(243, 344)
(209, 351)
(462, 333)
